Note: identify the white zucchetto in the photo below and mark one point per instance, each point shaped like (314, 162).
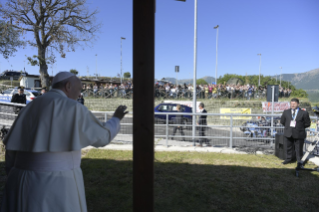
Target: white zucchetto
(62, 76)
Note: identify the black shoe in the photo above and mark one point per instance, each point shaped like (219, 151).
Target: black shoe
(286, 162)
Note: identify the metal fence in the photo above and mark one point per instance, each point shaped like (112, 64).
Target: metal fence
(227, 130)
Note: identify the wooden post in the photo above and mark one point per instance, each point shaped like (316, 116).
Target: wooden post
(143, 105)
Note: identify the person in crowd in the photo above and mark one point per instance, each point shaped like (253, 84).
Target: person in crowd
(81, 99)
(95, 88)
(295, 121)
(178, 121)
(202, 123)
(43, 90)
(43, 149)
(206, 90)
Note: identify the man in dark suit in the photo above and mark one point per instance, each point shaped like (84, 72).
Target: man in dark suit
(20, 98)
(178, 121)
(202, 122)
(295, 121)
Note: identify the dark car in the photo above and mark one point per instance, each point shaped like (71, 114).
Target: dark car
(171, 108)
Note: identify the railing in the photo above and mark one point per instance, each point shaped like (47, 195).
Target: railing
(222, 129)
(229, 130)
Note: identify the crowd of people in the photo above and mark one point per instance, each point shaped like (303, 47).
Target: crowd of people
(216, 91)
(124, 89)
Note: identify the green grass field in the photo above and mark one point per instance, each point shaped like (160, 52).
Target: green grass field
(197, 182)
(201, 182)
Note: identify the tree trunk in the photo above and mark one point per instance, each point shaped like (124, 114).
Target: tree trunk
(44, 76)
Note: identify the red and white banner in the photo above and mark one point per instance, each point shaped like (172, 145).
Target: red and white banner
(278, 106)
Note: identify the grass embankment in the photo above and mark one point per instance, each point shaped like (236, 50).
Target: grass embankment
(201, 182)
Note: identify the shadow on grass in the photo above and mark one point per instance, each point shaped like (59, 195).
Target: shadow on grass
(181, 186)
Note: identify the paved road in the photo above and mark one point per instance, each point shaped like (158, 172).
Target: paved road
(218, 136)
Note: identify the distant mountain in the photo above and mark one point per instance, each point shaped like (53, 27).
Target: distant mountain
(307, 80)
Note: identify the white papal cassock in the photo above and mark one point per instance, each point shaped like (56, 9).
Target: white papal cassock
(43, 154)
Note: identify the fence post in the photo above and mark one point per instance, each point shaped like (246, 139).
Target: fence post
(231, 132)
(105, 117)
(166, 130)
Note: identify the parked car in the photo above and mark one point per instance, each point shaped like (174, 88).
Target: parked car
(6, 95)
(171, 108)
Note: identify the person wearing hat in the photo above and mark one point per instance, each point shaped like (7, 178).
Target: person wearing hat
(43, 149)
(19, 98)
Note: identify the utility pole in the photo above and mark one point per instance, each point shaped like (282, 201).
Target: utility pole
(216, 27)
(259, 68)
(96, 66)
(122, 38)
(280, 75)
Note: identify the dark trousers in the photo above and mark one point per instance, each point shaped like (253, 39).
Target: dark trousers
(180, 130)
(201, 132)
(294, 145)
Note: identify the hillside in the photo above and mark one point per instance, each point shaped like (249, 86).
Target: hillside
(307, 80)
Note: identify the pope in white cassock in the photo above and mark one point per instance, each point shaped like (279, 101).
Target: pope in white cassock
(43, 150)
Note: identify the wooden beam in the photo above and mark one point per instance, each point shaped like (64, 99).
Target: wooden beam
(143, 105)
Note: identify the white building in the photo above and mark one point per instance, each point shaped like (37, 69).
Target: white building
(31, 81)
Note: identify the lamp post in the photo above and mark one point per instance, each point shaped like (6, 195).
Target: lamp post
(195, 69)
(216, 27)
(280, 75)
(96, 66)
(122, 38)
(259, 68)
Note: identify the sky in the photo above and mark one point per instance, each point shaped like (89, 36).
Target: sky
(285, 32)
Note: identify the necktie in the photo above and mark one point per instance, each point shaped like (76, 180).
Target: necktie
(293, 115)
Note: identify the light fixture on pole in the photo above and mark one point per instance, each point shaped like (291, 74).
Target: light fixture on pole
(195, 70)
(259, 68)
(216, 27)
(122, 38)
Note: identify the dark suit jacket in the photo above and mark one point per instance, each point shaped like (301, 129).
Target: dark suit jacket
(16, 98)
(302, 122)
(203, 118)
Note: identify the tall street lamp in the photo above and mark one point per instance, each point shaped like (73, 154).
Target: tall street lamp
(280, 75)
(216, 27)
(122, 38)
(259, 68)
(96, 66)
(195, 69)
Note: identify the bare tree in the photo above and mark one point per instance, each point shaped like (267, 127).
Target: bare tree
(61, 24)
